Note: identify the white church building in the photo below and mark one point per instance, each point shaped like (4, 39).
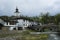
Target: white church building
(17, 26)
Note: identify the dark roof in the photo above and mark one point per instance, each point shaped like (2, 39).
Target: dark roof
(13, 21)
(8, 19)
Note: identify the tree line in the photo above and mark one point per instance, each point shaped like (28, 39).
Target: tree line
(43, 18)
(46, 18)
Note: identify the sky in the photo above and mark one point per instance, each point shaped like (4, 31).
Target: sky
(29, 7)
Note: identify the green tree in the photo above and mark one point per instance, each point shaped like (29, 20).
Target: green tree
(57, 18)
(45, 18)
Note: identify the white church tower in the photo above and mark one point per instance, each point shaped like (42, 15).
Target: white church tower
(17, 12)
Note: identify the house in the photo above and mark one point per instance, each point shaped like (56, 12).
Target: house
(7, 25)
(11, 24)
(17, 25)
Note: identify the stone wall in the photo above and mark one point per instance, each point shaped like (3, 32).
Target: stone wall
(5, 28)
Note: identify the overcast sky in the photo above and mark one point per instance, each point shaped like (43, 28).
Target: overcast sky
(29, 7)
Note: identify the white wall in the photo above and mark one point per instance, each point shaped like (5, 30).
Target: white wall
(2, 22)
(23, 23)
(9, 24)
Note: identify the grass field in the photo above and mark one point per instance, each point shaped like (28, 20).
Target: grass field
(25, 35)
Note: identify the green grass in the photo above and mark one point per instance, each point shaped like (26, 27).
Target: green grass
(25, 36)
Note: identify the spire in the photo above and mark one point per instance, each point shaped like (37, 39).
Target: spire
(17, 10)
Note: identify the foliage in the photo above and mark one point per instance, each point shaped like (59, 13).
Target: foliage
(43, 18)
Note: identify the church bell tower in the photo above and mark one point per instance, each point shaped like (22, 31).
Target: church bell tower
(17, 12)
